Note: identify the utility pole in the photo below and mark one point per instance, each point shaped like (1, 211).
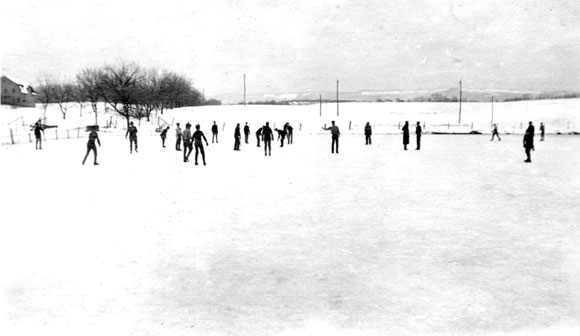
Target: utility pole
(491, 110)
(460, 98)
(320, 105)
(244, 89)
(337, 113)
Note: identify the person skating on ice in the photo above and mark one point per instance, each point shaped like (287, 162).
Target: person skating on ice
(164, 136)
(290, 133)
(405, 130)
(132, 134)
(237, 137)
(246, 132)
(335, 132)
(259, 135)
(214, 133)
(418, 133)
(542, 131)
(528, 145)
(495, 132)
(267, 136)
(91, 146)
(368, 133)
(197, 136)
(187, 145)
(281, 136)
(178, 135)
(38, 131)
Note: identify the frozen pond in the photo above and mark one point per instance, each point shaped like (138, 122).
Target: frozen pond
(459, 238)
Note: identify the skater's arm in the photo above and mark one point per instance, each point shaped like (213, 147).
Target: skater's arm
(203, 135)
(98, 141)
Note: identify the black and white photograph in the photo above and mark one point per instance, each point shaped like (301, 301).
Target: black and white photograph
(375, 167)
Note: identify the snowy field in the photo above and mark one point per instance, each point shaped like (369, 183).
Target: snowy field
(459, 238)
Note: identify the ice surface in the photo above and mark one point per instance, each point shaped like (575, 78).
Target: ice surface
(459, 238)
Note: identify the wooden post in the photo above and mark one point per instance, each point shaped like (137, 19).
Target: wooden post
(29, 137)
(337, 114)
(224, 127)
(11, 136)
(349, 125)
(460, 98)
(320, 97)
(300, 129)
(492, 111)
(67, 135)
(78, 132)
(56, 133)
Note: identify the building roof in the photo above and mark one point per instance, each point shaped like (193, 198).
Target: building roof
(25, 88)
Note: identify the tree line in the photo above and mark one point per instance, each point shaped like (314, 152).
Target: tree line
(126, 88)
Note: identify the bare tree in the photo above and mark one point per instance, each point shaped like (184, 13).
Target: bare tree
(119, 83)
(90, 82)
(64, 95)
(44, 93)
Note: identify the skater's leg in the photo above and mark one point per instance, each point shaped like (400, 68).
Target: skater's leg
(86, 155)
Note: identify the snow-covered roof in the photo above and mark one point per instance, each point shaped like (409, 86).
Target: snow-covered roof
(24, 87)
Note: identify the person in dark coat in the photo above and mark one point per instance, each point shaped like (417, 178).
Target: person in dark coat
(246, 132)
(164, 136)
(187, 145)
(494, 133)
(418, 133)
(528, 145)
(542, 131)
(132, 134)
(197, 136)
(91, 146)
(531, 129)
(178, 135)
(38, 129)
(368, 133)
(289, 133)
(214, 133)
(335, 135)
(237, 137)
(281, 136)
(267, 136)
(405, 130)
(259, 135)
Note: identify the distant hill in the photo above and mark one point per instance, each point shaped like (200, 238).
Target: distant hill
(451, 94)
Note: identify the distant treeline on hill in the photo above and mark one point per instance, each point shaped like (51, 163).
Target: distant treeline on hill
(544, 96)
(127, 88)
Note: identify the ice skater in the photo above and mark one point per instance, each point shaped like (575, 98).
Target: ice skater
(542, 131)
(214, 133)
(164, 136)
(237, 137)
(281, 136)
(335, 135)
(405, 130)
(178, 135)
(531, 129)
(246, 132)
(132, 134)
(528, 145)
(259, 135)
(418, 133)
(368, 133)
(187, 146)
(197, 136)
(38, 132)
(290, 133)
(494, 133)
(267, 136)
(91, 146)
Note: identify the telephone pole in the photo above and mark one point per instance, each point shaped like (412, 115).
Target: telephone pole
(491, 110)
(460, 98)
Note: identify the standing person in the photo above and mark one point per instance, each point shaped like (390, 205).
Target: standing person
(214, 133)
(246, 132)
(91, 146)
(164, 136)
(178, 138)
(528, 145)
(494, 133)
(38, 129)
(267, 136)
(197, 136)
(405, 134)
(418, 133)
(542, 131)
(368, 133)
(531, 129)
(281, 136)
(335, 135)
(237, 137)
(259, 135)
(290, 134)
(187, 142)
(132, 134)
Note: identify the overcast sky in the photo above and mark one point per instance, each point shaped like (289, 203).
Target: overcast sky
(295, 46)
